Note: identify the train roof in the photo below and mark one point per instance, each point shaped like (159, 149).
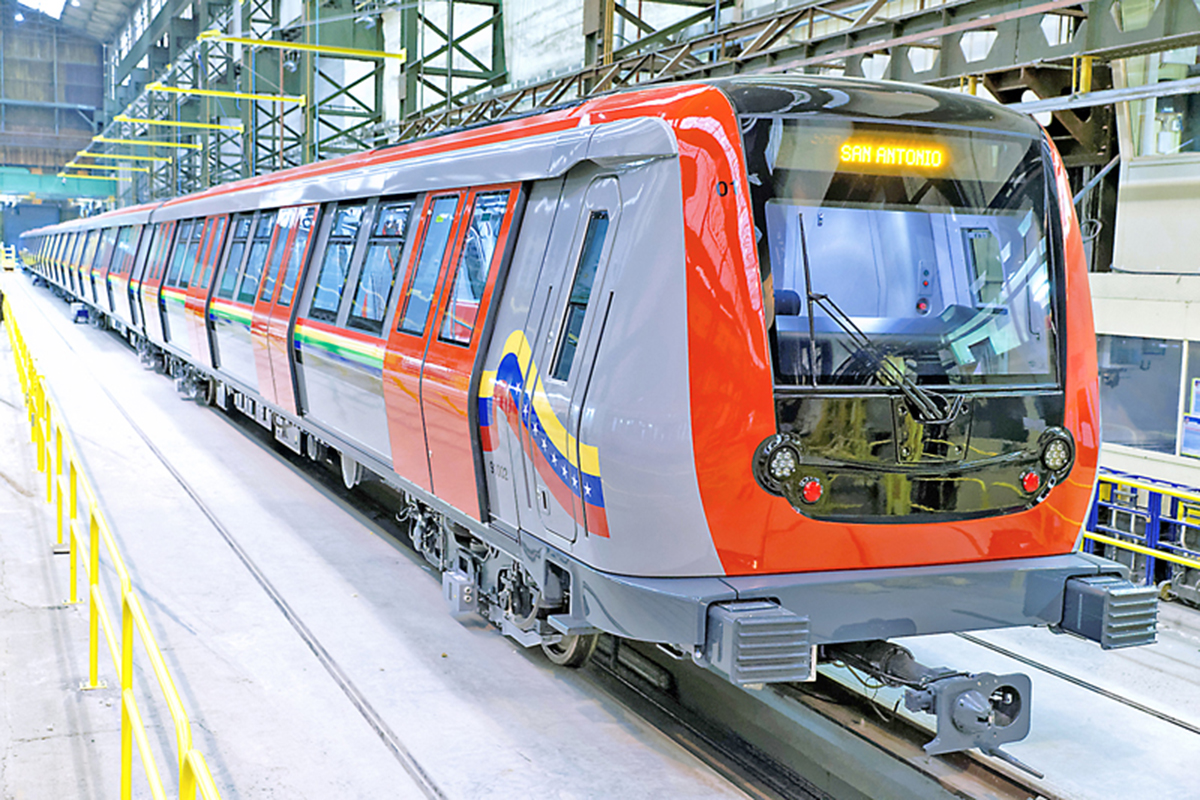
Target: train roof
(757, 95)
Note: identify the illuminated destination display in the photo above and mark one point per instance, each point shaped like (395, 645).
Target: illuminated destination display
(892, 155)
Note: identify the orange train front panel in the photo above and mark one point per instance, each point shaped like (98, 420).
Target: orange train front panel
(866, 479)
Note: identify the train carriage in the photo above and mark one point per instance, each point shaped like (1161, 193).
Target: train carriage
(761, 369)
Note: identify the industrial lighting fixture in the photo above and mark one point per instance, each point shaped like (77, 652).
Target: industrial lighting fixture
(123, 157)
(146, 143)
(217, 36)
(208, 126)
(270, 98)
(366, 20)
(94, 177)
(113, 167)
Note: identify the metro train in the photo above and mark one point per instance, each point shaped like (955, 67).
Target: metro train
(765, 370)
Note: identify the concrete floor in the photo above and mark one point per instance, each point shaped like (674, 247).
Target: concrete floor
(480, 715)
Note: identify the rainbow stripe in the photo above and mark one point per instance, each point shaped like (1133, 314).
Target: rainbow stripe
(556, 449)
(229, 312)
(336, 345)
(176, 295)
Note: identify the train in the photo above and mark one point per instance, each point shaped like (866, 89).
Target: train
(766, 370)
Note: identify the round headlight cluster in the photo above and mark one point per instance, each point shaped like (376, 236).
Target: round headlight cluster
(1056, 455)
(1058, 450)
(782, 463)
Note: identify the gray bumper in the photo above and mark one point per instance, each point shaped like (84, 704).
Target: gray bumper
(853, 605)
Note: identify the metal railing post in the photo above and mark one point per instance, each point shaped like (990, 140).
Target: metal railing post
(126, 690)
(1153, 524)
(93, 591)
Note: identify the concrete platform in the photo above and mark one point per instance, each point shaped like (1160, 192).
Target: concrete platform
(314, 656)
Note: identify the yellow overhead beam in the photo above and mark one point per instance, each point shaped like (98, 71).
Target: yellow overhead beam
(94, 177)
(208, 126)
(270, 98)
(323, 49)
(146, 143)
(82, 153)
(112, 167)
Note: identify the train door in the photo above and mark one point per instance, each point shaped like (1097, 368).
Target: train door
(173, 295)
(407, 339)
(232, 310)
(341, 327)
(273, 308)
(136, 272)
(450, 377)
(564, 473)
(222, 311)
(196, 305)
(152, 279)
(99, 270)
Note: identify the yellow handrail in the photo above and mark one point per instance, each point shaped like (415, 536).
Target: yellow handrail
(1149, 486)
(56, 455)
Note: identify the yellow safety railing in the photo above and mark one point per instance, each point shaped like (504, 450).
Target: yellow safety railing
(1165, 510)
(65, 477)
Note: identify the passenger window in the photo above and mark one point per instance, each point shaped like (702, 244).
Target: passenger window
(296, 256)
(237, 249)
(420, 293)
(474, 267)
(124, 255)
(381, 268)
(257, 257)
(158, 255)
(179, 256)
(210, 247)
(581, 293)
(286, 220)
(331, 280)
(106, 247)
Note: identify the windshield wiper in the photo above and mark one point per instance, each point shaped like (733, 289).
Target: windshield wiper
(928, 406)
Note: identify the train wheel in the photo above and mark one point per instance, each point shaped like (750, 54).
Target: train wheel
(572, 651)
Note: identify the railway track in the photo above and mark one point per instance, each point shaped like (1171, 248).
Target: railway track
(800, 741)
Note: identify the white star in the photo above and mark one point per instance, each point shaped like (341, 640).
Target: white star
(587, 490)
(575, 482)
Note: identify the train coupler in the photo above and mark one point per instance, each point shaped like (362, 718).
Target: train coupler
(972, 710)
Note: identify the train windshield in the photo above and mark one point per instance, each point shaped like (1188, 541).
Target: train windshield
(902, 249)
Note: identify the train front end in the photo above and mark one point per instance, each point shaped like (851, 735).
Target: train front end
(920, 458)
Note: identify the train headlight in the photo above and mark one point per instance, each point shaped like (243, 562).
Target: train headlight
(1058, 450)
(782, 464)
(1056, 455)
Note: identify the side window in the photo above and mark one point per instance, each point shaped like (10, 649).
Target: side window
(381, 268)
(295, 257)
(141, 256)
(474, 267)
(257, 257)
(158, 253)
(107, 240)
(420, 293)
(89, 251)
(237, 249)
(210, 250)
(179, 255)
(124, 255)
(581, 293)
(339, 250)
(286, 221)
